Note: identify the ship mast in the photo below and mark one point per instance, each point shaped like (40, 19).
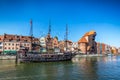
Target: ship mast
(31, 33)
(49, 29)
(66, 37)
(48, 43)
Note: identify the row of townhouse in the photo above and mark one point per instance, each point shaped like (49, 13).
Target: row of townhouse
(85, 45)
(13, 43)
(54, 45)
(103, 48)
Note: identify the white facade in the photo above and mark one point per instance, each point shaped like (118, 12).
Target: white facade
(1, 46)
(74, 45)
(107, 49)
(119, 50)
(42, 41)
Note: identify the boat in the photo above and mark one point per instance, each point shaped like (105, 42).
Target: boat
(41, 57)
(45, 57)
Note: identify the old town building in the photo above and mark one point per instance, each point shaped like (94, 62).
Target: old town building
(48, 43)
(103, 48)
(87, 43)
(13, 43)
(65, 45)
(75, 47)
(114, 50)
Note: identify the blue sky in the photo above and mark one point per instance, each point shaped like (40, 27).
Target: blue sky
(82, 16)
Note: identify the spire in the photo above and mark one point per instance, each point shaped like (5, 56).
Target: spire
(49, 30)
(31, 28)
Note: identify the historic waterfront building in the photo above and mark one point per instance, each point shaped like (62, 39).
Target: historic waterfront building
(75, 47)
(12, 43)
(114, 50)
(87, 43)
(65, 45)
(103, 48)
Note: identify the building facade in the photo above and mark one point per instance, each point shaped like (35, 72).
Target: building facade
(13, 43)
(87, 44)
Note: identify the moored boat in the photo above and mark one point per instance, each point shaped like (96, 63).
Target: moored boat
(39, 57)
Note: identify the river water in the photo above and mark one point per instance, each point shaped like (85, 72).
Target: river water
(94, 68)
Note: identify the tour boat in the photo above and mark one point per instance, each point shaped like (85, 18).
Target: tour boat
(38, 57)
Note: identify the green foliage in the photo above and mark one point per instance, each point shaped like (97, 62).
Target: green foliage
(56, 37)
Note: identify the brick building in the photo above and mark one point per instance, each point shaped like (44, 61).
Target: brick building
(62, 45)
(87, 43)
(13, 43)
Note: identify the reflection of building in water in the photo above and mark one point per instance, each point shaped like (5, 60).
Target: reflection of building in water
(88, 67)
(87, 43)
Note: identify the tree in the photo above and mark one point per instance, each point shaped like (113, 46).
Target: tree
(56, 37)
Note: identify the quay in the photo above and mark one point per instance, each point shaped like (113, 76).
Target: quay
(7, 57)
(89, 55)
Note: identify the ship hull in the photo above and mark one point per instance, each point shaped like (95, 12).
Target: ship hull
(46, 57)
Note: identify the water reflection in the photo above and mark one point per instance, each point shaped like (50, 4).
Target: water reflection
(87, 68)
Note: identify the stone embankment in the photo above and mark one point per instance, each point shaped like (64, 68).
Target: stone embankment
(7, 57)
(89, 55)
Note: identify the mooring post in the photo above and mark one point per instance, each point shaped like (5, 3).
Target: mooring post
(16, 59)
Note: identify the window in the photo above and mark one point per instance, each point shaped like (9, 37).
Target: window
(17, 36)
(5, 48)
(17, 44)
(25, 40)
(9, 48)
(27, 44)
(5, 44)
(9, 43)
(13, 44)
(0, 47)
(13, 48)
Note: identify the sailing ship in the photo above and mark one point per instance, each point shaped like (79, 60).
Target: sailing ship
(48, 56)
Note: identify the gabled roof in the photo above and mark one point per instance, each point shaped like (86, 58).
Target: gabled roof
(90, 33)
(82, 40)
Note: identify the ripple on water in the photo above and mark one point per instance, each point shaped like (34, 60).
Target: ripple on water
(94, 68)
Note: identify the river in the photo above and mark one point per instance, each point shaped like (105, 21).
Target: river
(94, 68)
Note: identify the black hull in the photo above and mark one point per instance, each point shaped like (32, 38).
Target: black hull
(46, 57)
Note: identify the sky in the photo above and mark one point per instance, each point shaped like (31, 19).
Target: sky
(102, 16)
